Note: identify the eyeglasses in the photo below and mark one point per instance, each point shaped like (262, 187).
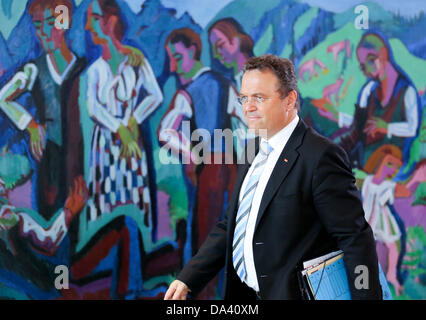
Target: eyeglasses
(255, 99)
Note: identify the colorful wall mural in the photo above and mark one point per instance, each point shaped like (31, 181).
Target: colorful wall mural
(91, 94)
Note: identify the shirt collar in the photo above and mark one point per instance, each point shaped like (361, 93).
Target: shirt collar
(59, 78)
(200, 72)
(276, 141)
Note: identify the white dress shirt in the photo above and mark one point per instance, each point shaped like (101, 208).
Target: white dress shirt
(277, 142)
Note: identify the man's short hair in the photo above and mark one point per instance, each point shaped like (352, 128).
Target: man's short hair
(188, 37)
(41, 5)
(281, 67)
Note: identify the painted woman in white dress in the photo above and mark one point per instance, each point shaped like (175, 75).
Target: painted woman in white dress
(122, 92)
(379, 192)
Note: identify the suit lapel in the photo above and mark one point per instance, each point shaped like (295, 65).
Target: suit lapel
(282, 168)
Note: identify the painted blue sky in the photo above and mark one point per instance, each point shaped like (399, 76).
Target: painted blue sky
(203, 11)
(406, 8)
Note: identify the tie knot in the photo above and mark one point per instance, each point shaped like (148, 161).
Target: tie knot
(265, 148)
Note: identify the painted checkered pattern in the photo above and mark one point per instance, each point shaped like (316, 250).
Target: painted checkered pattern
(114, 180)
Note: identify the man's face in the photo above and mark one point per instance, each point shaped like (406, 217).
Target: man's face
(96, 24)
(272, 114)
(223, 49)
(181, 58)
(50, 37)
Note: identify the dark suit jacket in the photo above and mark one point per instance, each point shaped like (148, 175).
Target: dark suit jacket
(310, 207)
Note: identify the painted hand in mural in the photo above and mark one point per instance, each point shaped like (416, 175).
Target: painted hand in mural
(76, 200)
(375, 126)
(22, 81)
(136, 57)
(8, 217)
(130, 147)
(134, 128)
(37, 134)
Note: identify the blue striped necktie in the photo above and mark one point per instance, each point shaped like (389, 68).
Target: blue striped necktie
(244, 210)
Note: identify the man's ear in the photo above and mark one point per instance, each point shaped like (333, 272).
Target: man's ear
(192, 50)
(291, 100)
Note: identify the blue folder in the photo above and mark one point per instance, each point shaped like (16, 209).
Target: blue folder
(331, 282)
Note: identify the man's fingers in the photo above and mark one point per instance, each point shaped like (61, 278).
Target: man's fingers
(177, 291)
(180, 293)
(169, 293)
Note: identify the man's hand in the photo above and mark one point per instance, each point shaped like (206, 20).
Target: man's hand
(177, 291)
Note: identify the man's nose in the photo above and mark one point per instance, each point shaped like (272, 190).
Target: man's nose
(250, 106)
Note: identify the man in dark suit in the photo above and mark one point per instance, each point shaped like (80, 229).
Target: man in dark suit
(297, 200)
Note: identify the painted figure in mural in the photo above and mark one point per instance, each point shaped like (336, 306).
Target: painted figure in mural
(202, 99)
(120, 92)
(27, 237)
(116, 102)
(32, 247)
(388, 109)
(379, 192)
(232, 47)
(54, 134)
